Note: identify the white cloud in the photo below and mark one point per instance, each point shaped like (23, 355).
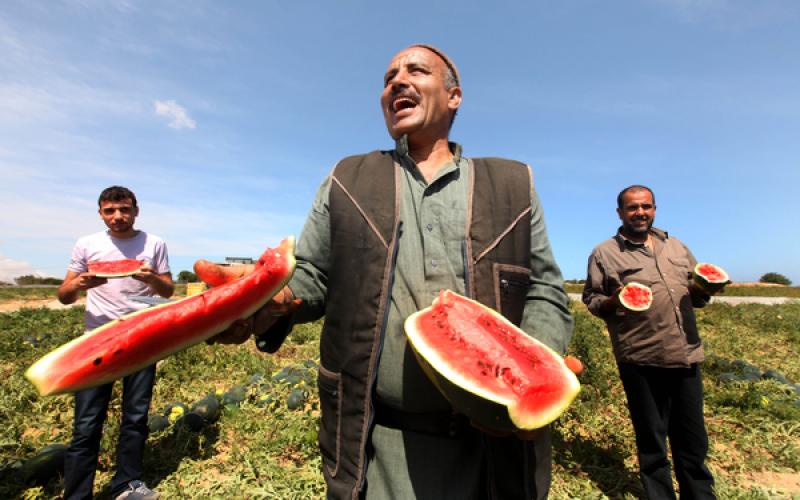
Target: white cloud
(176, 112)
(10, 269)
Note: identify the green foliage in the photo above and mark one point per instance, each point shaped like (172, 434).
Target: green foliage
(266, 445)
(30, 279)
(36, 293)
(776, 278)
(187, 277)
(761, 291)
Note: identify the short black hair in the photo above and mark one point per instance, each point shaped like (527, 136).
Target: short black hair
(635, 187)
(116, 193)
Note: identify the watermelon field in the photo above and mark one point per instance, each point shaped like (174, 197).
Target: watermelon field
(263, 445)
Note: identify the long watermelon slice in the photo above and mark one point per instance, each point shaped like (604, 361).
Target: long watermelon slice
(141, 338)
(115, 268)
(487, 368)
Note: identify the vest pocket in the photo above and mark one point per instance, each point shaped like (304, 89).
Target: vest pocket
(511, 284)
(330, 397)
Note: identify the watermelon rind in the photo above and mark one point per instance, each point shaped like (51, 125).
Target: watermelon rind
(158, 331)
(628, 305)
(481, 405)
(707, 283)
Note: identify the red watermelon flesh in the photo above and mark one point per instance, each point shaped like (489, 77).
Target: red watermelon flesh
(488, 368)
(115, 268)
(711, 273)
(636, 297)
(141, 338)
(710, 278)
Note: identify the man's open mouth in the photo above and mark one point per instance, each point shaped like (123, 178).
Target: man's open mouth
(402, 103)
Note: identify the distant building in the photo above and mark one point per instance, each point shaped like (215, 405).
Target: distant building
(239, 260)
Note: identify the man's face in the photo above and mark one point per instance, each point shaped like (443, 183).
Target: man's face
(638, 212)
(415, 100)
(119, 216)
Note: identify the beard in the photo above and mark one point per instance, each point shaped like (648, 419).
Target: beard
(638, 229)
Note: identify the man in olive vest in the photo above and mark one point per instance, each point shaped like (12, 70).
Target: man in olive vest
(388, 230)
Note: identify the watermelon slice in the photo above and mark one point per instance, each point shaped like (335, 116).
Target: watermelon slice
(141, 338)
(709, 277)
(636, 297)
(487, 368)
(115, 268)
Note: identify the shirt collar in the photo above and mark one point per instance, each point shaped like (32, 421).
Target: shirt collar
(401, 152)
(401, 148)
(625, 243)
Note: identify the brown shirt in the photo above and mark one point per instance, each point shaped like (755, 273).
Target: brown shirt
(666, 334)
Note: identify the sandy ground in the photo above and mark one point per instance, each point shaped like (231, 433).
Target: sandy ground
(13, 305)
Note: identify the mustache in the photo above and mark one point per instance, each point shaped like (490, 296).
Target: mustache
(407, 93)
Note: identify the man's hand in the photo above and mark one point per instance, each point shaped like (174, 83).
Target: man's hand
(574, 364)
(85, 281)
(611, 304)
(162, 284)
(75, 283)
(697, 289)
(282, 304)
(145, 274)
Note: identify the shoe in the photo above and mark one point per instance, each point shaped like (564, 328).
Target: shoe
(137, 490)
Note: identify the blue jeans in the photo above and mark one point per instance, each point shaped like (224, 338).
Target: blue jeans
(91, 406)
(668, 402)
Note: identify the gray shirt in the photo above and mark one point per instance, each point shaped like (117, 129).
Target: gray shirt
(666, 333)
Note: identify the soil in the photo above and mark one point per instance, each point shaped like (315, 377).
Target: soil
(13, 305)
(786, 482)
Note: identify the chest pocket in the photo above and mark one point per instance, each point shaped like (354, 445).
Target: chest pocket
(511, 290)
(680, 270)
(635, 274)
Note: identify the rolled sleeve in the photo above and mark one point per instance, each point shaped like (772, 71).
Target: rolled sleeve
(310, 280)
(595, 292)
(546, 316)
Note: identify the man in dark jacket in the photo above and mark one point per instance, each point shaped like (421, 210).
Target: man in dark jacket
(658, 350)
(388, 231)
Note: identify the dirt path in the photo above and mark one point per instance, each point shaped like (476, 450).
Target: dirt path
(13, 305)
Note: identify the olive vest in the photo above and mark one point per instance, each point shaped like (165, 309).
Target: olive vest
(364, 223)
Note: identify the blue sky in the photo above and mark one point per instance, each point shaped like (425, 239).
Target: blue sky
(224, 117)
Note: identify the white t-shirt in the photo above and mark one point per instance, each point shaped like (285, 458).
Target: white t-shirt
(107, 302)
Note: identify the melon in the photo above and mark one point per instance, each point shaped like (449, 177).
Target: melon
(710, 278)
(115, 268)
(192, 422)
(139, 339)
(157, 423)
(235, 396)
(489, 370)
(46, 464)
(635, 297)
(208, 408)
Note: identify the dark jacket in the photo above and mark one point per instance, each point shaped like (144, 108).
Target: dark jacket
(364, 222)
